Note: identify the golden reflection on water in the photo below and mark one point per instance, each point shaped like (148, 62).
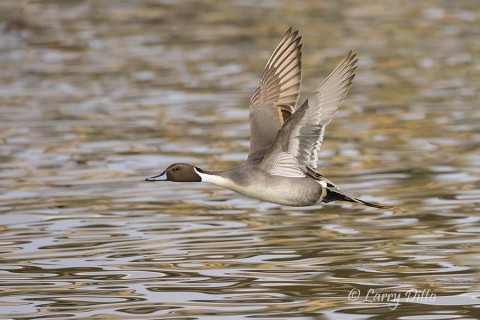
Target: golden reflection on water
(95, 96)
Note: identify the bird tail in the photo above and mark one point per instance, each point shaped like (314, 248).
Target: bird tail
(337, 195)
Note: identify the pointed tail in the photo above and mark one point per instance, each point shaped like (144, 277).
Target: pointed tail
(337, 195)
(370, 204)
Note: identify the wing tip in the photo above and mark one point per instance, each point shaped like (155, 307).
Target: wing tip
(283, 70)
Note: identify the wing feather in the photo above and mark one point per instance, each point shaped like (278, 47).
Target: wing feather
(302, 134)
(275, 98)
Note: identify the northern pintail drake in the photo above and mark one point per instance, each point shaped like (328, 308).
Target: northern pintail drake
(285, 137)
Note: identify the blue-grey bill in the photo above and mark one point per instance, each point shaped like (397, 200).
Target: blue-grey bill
(160, 177)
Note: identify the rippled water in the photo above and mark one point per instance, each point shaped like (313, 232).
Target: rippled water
(97, 95)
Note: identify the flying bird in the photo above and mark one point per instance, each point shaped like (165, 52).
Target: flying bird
(285, 136)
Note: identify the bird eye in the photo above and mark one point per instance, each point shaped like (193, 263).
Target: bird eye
(176, 168)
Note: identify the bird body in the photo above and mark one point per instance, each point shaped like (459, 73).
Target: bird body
(256, 183)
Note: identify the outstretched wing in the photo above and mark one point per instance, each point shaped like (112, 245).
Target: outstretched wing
(276, 96)
(297, 143)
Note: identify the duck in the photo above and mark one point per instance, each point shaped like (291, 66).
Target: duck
(285, 137)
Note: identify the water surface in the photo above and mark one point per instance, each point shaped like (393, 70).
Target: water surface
(97, 95)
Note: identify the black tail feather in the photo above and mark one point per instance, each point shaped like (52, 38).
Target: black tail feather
(370, 204)
(336, 195)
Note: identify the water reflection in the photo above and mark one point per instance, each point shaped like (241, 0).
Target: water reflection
(97, 95)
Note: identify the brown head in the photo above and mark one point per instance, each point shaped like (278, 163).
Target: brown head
(178, 172)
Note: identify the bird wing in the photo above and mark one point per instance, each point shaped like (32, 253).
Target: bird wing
(297, 143)
(276, 96)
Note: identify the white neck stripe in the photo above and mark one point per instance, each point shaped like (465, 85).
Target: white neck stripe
(210, 178)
